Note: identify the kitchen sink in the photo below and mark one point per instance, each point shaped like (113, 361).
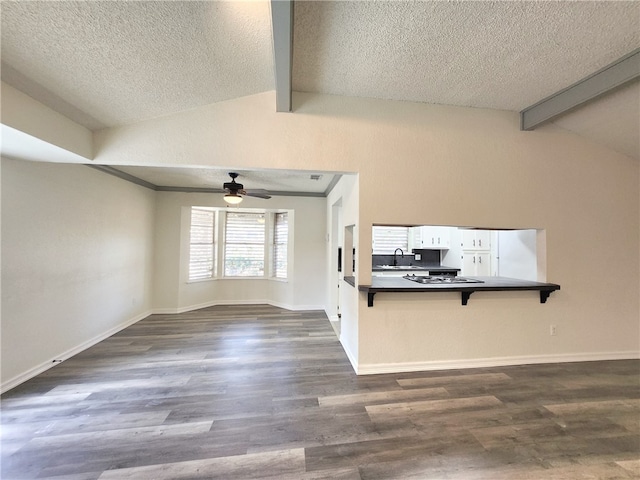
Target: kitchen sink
(440, 279)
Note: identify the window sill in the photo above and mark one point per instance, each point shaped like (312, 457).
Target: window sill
(214, 279)
(244, 278)
(201, 280)
(272, 279)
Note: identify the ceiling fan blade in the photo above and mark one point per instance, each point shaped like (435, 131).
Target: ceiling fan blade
(232, 186)
(257, 192)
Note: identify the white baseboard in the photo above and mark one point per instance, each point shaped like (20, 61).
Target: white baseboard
(43, 367)
(352, 358)
(366, 369)
(373, 369)
(190, 308)
(165, 311)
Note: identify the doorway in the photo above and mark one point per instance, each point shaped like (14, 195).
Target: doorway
(336, 271)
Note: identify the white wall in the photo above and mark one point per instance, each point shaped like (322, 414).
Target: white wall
(346, 194)
(513, 253)
(77, 259)
(305, 289)
(37, 124)
(459, 166)
(517, 254)
(455, 166)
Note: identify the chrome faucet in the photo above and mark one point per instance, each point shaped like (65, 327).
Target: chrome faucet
(395, 258)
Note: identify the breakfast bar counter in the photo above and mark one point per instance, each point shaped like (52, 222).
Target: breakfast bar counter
(487, 284)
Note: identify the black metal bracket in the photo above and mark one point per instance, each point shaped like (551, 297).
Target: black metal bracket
(370, 296)
(544, 294)
(465, 296)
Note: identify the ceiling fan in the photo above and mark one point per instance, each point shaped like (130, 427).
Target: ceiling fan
(235, 191)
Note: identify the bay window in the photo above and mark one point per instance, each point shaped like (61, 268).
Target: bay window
(231, 243)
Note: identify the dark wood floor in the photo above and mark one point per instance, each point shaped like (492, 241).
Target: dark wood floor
(263, 393)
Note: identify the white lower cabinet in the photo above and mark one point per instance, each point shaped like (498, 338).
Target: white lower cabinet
(476, 263)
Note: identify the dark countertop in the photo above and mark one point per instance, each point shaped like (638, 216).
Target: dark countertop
(399, 284)
(350, 279)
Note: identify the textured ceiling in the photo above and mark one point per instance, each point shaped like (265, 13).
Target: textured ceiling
(120, 61)
(502, 55)
(106, 63)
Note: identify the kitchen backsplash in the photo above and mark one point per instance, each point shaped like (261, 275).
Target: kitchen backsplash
(427, 257)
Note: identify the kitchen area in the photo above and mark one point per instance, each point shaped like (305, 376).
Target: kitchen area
(461, 259)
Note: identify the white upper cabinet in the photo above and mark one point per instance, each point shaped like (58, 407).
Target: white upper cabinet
(415, 238)
(476, 240)
(430, 237)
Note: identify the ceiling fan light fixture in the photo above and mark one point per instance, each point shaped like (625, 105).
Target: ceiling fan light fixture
(232, 198)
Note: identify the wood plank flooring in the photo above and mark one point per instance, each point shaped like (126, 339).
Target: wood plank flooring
(258, 392)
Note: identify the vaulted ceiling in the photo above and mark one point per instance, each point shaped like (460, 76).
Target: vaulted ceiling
(108, 63)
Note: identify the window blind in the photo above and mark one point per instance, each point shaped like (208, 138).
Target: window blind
(387, 239)
(244, 245)
(201, 252)
(280, 239)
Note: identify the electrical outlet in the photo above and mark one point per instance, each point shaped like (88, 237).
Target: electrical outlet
(552, 330)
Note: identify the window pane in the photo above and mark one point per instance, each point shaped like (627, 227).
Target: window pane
(201, 243)
(244, 245)
(280, 239)
(387, 239)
